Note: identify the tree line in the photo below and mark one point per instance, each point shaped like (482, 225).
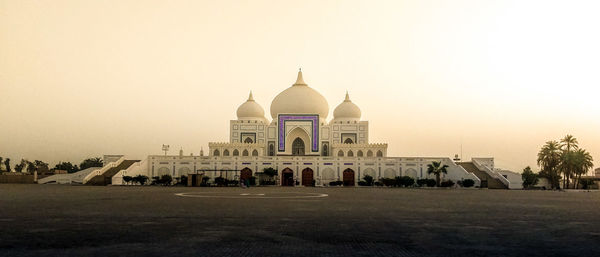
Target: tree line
(561, 161)
(26, 166)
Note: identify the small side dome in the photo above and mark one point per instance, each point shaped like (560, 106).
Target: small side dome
(250, 110)
(347, 110)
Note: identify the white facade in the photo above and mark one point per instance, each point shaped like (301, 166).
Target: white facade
(301, 144)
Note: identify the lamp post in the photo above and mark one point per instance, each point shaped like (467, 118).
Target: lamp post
(165, 148)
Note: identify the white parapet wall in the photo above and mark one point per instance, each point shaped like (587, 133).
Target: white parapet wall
(138, 168)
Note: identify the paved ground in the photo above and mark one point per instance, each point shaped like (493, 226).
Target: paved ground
(52, 220)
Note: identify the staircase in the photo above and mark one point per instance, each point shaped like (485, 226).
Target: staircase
(106, 177)
(486, 180)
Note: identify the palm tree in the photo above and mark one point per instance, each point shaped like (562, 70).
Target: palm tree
(549, 158)
(568, 162)
(569, 142)
(584, 163)
(437, 168)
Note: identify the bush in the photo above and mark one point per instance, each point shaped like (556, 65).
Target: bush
(204, 182)
(141, 179)
(390, 182)
(422, 182)
(586, 183)
(447, 183)
(405, 181)
(336, 183)
(267, 182)
(468, 182)
(368, 179)
(183, 180)
(220, 181)
(270, 172)
(362, 183)
(431, 182)
(378, 184)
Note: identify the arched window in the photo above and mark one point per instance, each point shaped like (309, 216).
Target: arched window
(271, 150)
(248, 140)
(254, 153)
(359, 153)
(379, 154)
(216, 153)
(325, 150)
(245, 152)
(236, 152)
(298, 147)
(369, 153)
(226, 152)
(341, 153)
(350, 153)
(348, 141)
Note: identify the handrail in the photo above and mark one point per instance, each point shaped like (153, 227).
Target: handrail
(491, 173)
(103, 169)
(131, 168)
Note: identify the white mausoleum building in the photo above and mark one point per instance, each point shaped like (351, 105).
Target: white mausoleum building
(303, 145)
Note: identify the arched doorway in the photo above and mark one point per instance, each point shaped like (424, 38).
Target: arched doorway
(348, 177)
(307, 177)
(245, 174)
(287, 177)
(298, 147)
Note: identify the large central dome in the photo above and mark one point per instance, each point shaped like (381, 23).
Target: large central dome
(299, 99)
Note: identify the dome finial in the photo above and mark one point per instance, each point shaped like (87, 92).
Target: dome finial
(300, 79)
(250, 97)
(347, 97)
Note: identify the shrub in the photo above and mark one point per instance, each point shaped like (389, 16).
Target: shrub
(205, 180)
(127, 179)
(390, 182)
(183, 180)
(447, 183)
(165, 180)
(267, 182)
(422, 182)
(431, 182)
(368, 179)
(270, 172)
(362, 183)
(379, 184)
(141, 179)
(220, 181)
(336, 183)
(468, 182)
(405, 181)
(529, 178)
(586, 183)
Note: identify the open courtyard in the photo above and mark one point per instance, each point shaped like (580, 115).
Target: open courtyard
(55, 220)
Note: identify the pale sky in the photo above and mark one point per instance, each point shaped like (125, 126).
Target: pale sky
(86, 78)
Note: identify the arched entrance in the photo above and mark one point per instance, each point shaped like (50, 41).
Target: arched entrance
(348, 177)
(287, 177)
(307, 177)
(298, 147)
(245, 174)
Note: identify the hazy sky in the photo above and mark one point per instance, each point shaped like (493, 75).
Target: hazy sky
(85, 78)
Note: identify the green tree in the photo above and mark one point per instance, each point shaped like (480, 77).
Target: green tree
(141, 179)
(165, 180)
(549, 159)
(368, 180)
(7, 164)
(91, 162)
(568, 160)
(437, 169)
(127, 179)
(31, 167)
(270, 172)
(21, 165)
(69, 167)
(529, 178)
(583, 163)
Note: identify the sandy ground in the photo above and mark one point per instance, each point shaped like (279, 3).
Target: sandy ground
(58, 220)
